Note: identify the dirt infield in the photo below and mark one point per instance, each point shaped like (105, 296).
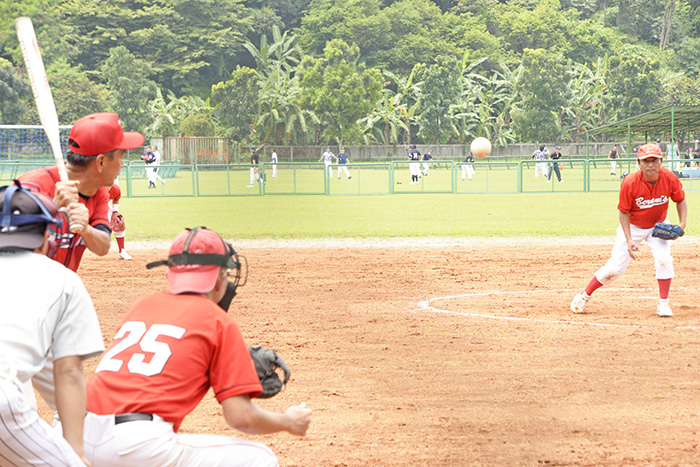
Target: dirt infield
(459, 355)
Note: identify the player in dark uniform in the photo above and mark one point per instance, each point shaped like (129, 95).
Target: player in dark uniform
(555, 165)
(342, 163)
(426, 157)
(254, 163)
(468, 167)
(414, 165)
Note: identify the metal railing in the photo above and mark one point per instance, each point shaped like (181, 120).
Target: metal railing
(381, 178)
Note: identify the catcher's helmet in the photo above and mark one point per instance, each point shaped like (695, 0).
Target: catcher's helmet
(195, 258)
(25, 215)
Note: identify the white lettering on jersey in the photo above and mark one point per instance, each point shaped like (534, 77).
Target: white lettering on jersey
(136, 333)
(650, 203)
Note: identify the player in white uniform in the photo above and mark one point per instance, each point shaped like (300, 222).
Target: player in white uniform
(48, 318)
(273, 159)
(155, 165)
(541, 155)
(327, 158)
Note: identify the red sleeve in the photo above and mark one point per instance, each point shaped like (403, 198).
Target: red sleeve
(677, 192)
(42, 179)
(232, 371)
(625, 201)
(115, 193)
(99, 207)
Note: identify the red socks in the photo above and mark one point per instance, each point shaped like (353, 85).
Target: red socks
(120, 243)
(593, 285)
(664, 287)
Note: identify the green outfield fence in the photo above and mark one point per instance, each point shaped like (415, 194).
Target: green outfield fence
(378, 178)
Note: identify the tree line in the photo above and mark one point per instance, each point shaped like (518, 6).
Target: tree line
(357, 71)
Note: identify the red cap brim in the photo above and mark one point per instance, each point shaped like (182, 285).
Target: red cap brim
(192, 278)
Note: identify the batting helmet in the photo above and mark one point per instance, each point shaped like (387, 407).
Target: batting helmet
(25, 215)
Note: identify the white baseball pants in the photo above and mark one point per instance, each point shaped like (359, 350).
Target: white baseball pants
(155, 443)
(343, 168)
(25, 438)
(468, 170)
(541, 167)
(613, 165)
(329, 167)
(620, 258)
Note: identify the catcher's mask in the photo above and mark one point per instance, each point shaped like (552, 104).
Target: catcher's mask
(195, 260)
(26, 215)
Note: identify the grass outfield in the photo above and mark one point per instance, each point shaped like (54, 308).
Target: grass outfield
(408, 215)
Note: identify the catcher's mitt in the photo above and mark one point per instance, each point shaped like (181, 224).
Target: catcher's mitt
(117, 222)
(266, 362)
(667, 231)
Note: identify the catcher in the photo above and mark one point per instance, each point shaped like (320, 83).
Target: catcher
(643, 212)
(169, 349)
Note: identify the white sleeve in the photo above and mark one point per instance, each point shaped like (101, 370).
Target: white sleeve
(77, 330)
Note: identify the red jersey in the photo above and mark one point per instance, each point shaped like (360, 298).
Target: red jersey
(647, 204)
(97, 205)
(115, 193)
(169, 349)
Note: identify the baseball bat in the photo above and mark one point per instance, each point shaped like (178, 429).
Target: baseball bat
(42, 93)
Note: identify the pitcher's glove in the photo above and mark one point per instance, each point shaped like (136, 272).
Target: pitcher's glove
(667, 231)
(117, 222)
(266, 362)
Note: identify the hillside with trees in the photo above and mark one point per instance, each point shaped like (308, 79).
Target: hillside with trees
(357, 71)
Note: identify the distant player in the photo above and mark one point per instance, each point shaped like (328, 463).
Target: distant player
(468, 166)
(540, 156)
(155, 164)
(327, 157)
(426, 157)
(117, 220)
(414, 158)
(644, 200)
(342, 163)
(556, 155)
(273, 159)
(254, 166)
(613, 155)
(149, 158)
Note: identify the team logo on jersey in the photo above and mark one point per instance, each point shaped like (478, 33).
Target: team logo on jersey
(650, 203)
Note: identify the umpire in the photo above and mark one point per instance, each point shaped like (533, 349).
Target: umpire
(48, 321)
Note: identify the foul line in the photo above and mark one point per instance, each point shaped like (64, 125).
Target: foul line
(426, 305)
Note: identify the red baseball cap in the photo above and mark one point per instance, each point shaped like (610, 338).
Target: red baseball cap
(100, 133)
(649, 150)
(187, 272)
